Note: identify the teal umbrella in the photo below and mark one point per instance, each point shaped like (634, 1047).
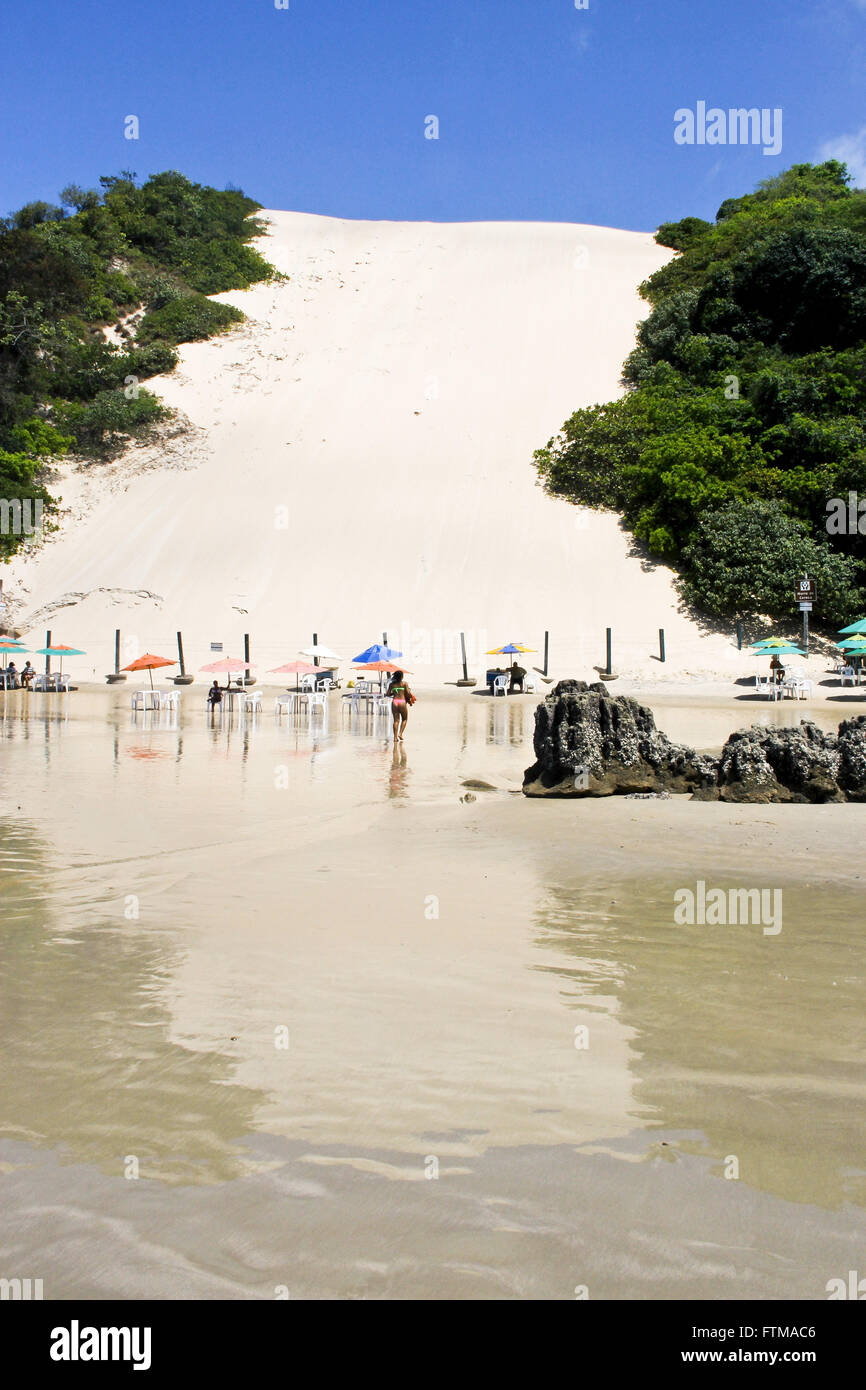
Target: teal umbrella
(59, 651)
(780, 651)
(859, 626)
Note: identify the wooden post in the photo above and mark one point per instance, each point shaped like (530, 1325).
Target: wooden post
(384, 639)
(546, 651)
(739, 635)
(463, 650)
(180, 654)
(246, 655)
(609, 652)
(661, 644)
(48, 658)
(806, 631)
(117, 651)
(315, 644)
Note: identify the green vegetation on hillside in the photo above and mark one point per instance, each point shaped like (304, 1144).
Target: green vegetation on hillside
(745, 408)
(70, 271)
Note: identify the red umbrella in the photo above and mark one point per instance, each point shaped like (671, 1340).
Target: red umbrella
(149, 663)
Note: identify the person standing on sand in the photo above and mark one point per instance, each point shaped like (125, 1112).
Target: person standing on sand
(401, 699)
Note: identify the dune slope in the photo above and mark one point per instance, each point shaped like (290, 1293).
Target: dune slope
(360, 461)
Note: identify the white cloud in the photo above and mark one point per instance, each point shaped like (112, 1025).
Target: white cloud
(850, 148)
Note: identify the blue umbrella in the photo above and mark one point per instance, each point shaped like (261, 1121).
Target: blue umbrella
(378, 653)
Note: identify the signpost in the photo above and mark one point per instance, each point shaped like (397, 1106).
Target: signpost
(806, 595)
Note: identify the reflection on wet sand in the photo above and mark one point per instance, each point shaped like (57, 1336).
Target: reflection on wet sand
(751, 1046)
(97, 1075)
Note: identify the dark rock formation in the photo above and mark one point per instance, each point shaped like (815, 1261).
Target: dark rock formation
(590, 743)
(851, 746)
(764, 765)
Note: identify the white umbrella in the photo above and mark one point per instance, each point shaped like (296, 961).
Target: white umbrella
(319, 650)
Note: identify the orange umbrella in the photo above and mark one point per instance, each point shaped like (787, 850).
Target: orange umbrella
(149, 663)
(382, 667)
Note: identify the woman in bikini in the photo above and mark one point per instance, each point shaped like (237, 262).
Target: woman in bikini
(401, 698)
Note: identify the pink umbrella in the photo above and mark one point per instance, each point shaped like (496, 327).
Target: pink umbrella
(295, 668)
(228, 664)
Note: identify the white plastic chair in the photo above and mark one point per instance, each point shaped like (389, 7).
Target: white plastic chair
(766, 685)
(284, 702)
(145, 699)
(168, 699)
(529, 685)
(317, 699)
(500, 685)
(42, 683)
(847, 674)
(308, 682)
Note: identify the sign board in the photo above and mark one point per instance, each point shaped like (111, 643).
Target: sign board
(216, 646)
(805, 607)
(807, 591)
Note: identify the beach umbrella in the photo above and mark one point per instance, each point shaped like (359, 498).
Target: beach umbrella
(228, 664)
(376, 653)
(787, 650)
(771, 643)
(383, 667)
(510, 649)
(859, 626)
(322, 652)
(853, 646)
(149, 663)
(295, 668)
(58, 650)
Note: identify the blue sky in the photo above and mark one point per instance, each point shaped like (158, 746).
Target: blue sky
(545, 112)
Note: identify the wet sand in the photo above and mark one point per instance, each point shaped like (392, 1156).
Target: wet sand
(427, 960)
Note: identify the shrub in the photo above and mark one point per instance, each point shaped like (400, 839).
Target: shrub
(187, 320)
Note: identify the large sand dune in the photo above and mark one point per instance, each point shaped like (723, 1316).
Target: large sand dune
(361, 461)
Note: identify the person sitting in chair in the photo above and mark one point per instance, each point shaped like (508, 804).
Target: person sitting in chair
(777, 670)
(215, 695)
(27, 675)
(518, 674)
